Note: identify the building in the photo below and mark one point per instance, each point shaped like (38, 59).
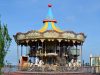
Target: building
(95, 62)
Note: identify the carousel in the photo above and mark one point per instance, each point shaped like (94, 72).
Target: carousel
(49, 46)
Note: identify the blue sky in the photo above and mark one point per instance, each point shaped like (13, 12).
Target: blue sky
(76, 15)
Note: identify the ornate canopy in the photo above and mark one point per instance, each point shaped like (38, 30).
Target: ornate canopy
(50, 34)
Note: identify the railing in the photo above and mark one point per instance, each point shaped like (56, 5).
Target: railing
(84, 69)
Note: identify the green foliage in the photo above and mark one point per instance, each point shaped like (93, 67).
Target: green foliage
(5, 41)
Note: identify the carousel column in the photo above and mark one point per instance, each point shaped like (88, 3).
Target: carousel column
(55, 47)
(45, 52)
(17, 54)
(36, 47)
(45, 49)
(81, 53)
(42, 40)
(27, 47)
(64, 48)
(21, 50)
(76, 52)
(36, 44)
(59, 40)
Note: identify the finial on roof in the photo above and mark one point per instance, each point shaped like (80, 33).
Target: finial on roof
(49, 5)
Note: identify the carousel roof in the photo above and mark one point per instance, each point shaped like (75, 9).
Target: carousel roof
(49, 31)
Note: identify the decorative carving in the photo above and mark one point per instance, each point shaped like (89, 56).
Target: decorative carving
(80, 37)
(20, 37)
(51, 35)
(68, 35)
(42, 40)
(59, 40)
(33, 35)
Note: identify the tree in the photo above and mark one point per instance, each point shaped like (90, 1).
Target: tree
(5, 42)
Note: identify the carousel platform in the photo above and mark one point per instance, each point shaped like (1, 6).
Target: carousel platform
(61, 70)
(49, 73)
